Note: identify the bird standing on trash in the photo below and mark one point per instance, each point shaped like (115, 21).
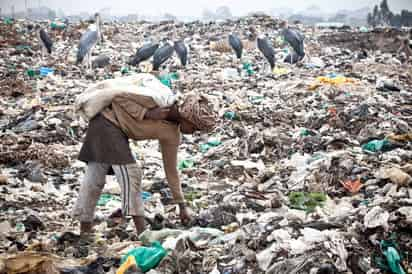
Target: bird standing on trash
(143, 53)
(267, 50)
(295, 39)
(181, 51)
(87, 42)
(162, 54)
(44, 40)
(236, 44)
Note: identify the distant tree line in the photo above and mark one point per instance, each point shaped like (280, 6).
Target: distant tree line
(382, 15)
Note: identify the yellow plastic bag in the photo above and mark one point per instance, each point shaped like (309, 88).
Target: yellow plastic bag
(336, 81)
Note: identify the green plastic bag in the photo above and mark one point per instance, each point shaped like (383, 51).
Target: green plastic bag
(57, 25)
(147, 257)
(186, 164)
(124, 70)
(248, 68)
(192, 195)
(8, 21)
(105, 198)
(377, 145)
(167, 79)
(392, 260)
(306, 201)
(211, 143)
(231, 115)
(30, 72)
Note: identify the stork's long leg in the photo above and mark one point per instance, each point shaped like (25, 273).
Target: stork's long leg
(308, 57)
(86, 62)
(89, 61)
(269, 69)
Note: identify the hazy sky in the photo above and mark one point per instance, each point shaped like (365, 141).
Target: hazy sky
(195, 7)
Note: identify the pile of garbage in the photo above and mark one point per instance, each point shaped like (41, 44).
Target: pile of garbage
(309, 170)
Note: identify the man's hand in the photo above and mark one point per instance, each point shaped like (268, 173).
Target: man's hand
(157, 114)
(185, 216)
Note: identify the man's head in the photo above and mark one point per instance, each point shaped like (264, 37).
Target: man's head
(196, 114)
(187, 127)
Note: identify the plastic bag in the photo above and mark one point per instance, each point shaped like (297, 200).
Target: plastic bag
(392, 260)
(210, 143)
(152, 236)
(377, 145)
(57, 25)
(106, 198)
(306, 201)
(247, 67)
(186, 164)
(44, 71)
(146, 258)
(98, 96)
(353, 186)
(395, 175)
(168, 78)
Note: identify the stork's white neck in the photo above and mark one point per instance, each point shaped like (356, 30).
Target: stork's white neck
(93, 27)
(98, 24)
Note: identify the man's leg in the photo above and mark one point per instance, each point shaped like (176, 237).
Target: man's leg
(89, 193)
(130, 179)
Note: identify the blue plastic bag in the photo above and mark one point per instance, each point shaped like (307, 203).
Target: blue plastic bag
(44, 71)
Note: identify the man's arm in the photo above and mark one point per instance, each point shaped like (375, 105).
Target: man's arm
(169, 155)
(157, 114)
